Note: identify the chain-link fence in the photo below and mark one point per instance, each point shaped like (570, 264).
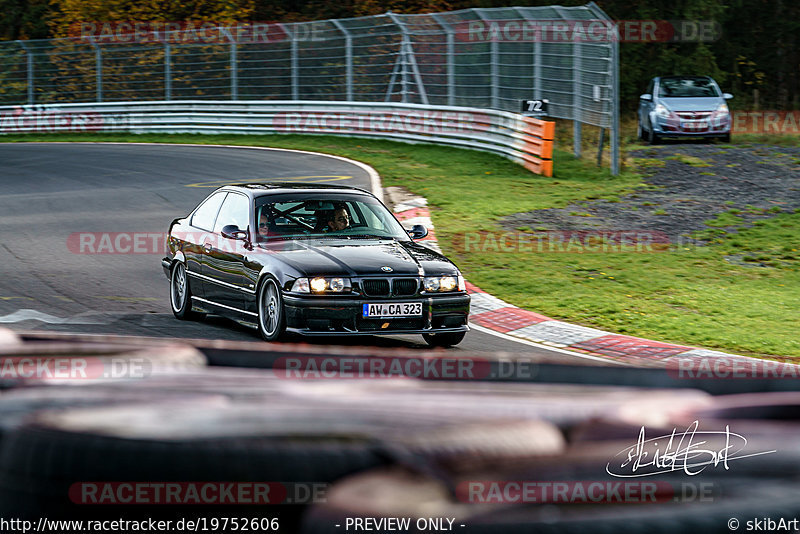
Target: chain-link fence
(484, 58)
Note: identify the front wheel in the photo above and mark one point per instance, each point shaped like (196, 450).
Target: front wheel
(180, 296)
(446, 339)
(271, 318)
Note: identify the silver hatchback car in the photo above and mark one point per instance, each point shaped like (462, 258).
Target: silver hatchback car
(683, 106)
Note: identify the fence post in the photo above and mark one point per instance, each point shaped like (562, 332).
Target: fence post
(577, 129)
(494, 65)
(348, 58)
(98, 68)
(234, 70)
(167, 68)
(408, 59)
(295, 74)
(451, 59)
(29, 55)
(615, 108)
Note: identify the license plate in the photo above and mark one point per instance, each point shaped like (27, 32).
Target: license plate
(392, 309)
(699, 125)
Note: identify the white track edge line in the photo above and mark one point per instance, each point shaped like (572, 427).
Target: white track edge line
(544, 347)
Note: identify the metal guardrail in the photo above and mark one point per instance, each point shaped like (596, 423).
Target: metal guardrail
(480, 58)
(524, 140)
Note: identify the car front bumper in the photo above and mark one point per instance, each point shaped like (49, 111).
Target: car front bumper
(675, 126)
(323, 316)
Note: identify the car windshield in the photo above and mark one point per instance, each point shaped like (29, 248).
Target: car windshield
(330, 216)
(687, 87)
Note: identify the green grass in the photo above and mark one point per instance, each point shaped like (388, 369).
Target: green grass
(689, 295)
(694, 161)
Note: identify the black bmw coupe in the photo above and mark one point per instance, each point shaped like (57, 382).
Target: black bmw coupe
(312, 260)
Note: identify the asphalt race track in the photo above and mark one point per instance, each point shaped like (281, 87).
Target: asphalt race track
(57, 201)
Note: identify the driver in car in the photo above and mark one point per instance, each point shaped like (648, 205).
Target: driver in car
(340, 219)
(263, 225)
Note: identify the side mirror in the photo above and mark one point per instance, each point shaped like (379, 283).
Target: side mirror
(727, 96)
(417, 231)
(647, 97)
(232, 231)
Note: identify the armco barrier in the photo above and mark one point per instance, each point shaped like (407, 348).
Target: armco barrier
(524, 140)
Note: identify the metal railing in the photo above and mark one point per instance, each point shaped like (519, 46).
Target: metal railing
(527, 141)
(479, 58)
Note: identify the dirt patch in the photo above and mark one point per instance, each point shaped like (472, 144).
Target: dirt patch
(685, 186)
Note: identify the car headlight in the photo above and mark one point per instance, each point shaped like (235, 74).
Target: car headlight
(723, 109)
(444, 283)
(321, 284)
(662, 111)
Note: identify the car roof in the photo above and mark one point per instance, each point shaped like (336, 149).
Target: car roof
(264, 188)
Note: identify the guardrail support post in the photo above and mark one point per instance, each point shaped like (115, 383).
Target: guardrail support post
(31, 80)
(348, 58)
(98, 68)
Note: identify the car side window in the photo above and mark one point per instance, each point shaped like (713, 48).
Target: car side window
(205, 215)
(651, 87)
(235, 210)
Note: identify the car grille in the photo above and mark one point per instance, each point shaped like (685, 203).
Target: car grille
(693, 115)
(376, 287)
(404, 286)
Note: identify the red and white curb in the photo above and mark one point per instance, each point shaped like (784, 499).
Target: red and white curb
(494, 314)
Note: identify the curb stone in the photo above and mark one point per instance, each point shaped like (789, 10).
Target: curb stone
(495, 314)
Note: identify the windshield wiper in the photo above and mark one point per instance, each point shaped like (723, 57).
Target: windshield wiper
(371, 236)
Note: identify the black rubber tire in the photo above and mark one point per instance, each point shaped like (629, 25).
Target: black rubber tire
(726, 138)
(447, 339)
(271, 313)
(40, 461)
(652, 137)
(181, 299)
(396, 493)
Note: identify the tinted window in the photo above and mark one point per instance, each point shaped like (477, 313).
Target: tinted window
(205, 215)
(234, 211)
(687, 87)
(651, 87)
(309, 216)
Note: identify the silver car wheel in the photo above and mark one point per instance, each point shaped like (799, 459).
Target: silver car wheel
(178, 289)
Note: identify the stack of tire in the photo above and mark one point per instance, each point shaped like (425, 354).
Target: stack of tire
(743, 480)
(380, 448)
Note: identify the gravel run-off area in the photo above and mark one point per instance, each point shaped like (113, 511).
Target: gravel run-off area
(685, 186)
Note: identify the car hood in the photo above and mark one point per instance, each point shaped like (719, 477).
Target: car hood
(709, 103)
(359, 257)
